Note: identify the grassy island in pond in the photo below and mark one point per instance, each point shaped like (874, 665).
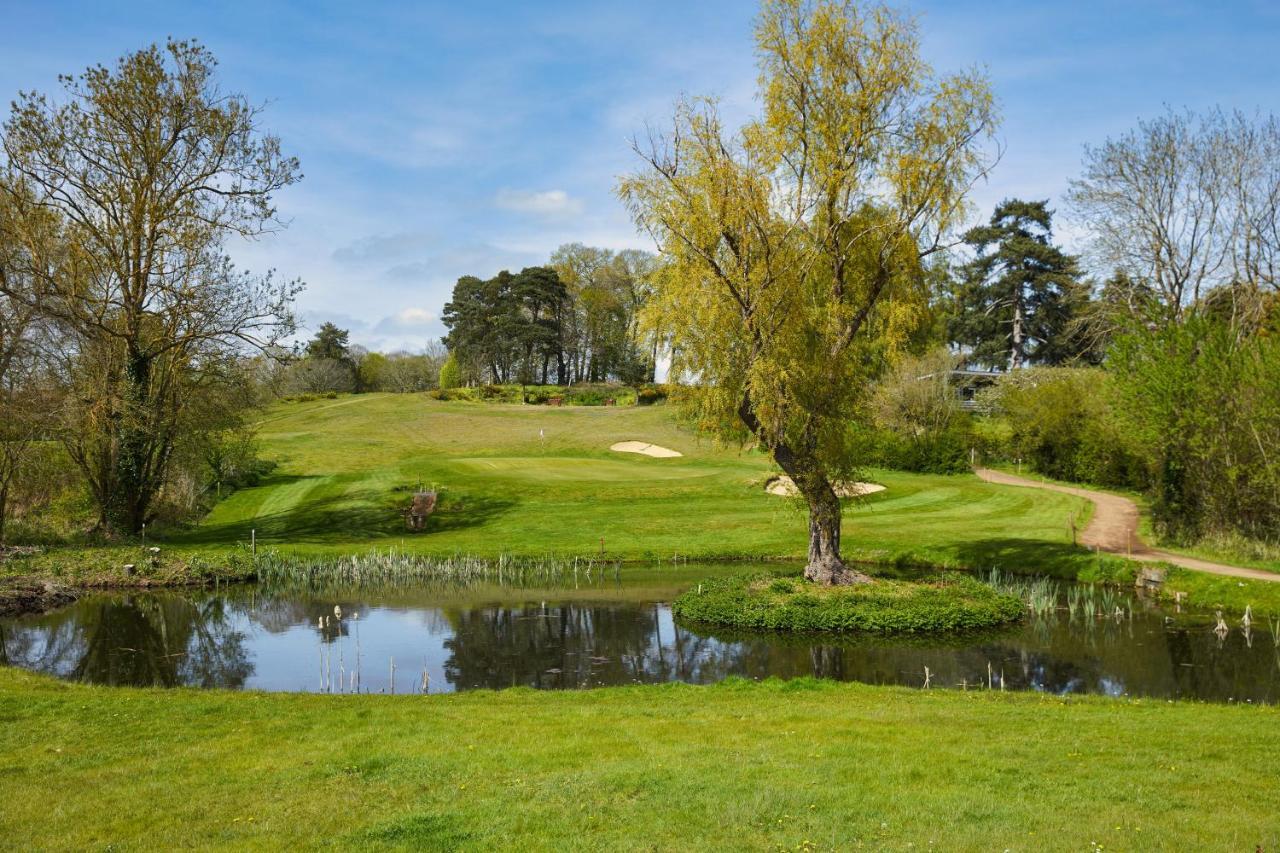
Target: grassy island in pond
(949, 602)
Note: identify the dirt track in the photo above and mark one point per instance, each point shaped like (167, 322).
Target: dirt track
(1114, 528)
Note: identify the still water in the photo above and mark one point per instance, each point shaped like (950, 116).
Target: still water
(445, 637)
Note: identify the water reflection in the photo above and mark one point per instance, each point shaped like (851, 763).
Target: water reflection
(143, 640)
(240, 638)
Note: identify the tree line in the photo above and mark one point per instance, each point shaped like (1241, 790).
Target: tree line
(575, 319)
(329, 363)
(1164, 376)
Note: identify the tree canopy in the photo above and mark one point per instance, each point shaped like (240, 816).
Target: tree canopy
(575, 319)
(1016, 299)
(793, 247)
(330, 342)
(149, 166)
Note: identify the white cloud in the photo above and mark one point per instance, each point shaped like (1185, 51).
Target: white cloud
(547, 203)
(414, 317)
(406, 319)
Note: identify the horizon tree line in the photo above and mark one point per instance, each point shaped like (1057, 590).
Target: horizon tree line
(576, 319)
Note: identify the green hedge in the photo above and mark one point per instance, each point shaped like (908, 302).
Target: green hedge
(948, 602)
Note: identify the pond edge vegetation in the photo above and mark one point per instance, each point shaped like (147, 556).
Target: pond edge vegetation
(949, 602)
(40, 581)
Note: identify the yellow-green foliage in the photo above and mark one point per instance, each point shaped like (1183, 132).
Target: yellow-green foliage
(450, 374)
(793, 247)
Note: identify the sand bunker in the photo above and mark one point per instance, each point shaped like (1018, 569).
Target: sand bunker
(785, 487)
(645, 448)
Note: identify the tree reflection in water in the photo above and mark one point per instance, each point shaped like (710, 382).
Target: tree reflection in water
(140, 640)
(241, 637)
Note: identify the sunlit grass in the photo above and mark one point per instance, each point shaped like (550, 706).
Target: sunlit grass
(737, 766)
(536, 480)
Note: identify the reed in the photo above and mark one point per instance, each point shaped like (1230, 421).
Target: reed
(391, 567)
(1041, 594)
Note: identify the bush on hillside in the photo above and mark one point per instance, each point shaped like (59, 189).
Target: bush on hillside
(1063, 423)
(1202, 402)
(946, 452)
(450, 374)
(651, 394)
(593, 394)
(917, 422)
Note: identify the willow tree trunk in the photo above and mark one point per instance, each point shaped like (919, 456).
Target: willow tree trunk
(825, 565)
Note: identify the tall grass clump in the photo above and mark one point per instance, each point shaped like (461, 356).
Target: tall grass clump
(1040, 594)
(392, 568)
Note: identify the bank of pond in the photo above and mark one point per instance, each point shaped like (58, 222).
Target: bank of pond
(616, 626)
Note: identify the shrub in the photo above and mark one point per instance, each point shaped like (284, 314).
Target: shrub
(1203, 402)
(948, 602)
(650, 394)
(1064, 423)
(918, 422)
(594, 394)
(946, 452)
(450, 373)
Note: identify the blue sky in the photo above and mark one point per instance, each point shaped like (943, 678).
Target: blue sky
(443, 138)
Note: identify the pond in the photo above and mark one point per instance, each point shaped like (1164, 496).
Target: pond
(612, 630)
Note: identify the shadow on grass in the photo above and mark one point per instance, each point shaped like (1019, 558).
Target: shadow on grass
(346, 516)
(1029, 556)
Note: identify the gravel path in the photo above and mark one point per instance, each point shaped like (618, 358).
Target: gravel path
(1114, 528)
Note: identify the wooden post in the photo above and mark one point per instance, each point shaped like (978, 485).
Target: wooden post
(253, 541)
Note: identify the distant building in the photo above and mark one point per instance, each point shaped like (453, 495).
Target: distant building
(966, 383)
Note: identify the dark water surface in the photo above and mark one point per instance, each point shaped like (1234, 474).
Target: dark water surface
(614, 631)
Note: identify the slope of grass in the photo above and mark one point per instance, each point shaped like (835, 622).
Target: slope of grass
(537, 480)
(737, 766)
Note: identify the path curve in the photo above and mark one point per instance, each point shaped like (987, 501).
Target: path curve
(1114, 528)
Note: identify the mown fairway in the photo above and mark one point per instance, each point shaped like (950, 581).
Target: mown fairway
(737, 766)
(540, 480)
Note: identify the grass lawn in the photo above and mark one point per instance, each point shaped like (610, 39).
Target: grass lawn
(735, 766)
(538, 480)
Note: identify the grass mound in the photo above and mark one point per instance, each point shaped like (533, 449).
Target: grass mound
(949, 602)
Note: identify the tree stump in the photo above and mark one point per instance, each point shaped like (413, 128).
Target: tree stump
(415, 517)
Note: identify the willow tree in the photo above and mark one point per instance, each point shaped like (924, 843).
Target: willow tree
(794, 245)
(150, 167)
